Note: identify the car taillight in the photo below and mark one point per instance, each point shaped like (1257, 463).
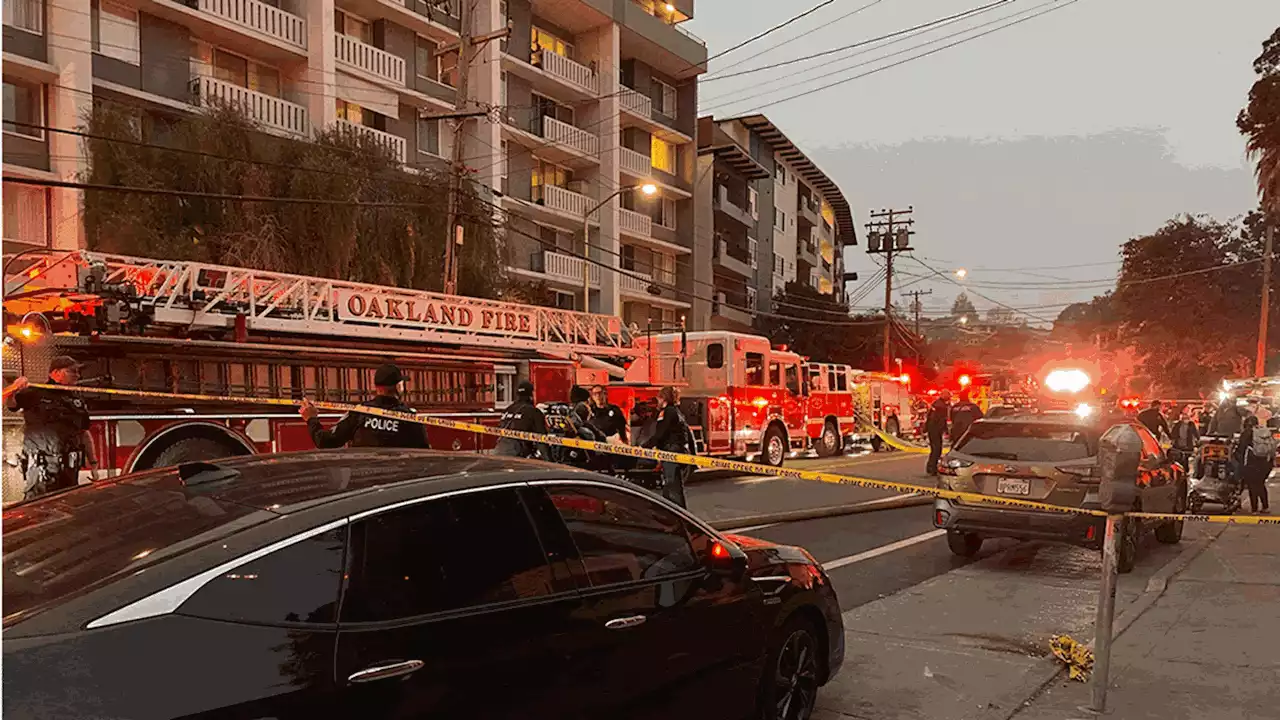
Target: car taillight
(718, 551)
(950, 465)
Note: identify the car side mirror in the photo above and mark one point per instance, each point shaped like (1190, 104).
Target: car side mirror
(726, 559)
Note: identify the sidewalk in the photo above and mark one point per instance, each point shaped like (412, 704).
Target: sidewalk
(1208, 648)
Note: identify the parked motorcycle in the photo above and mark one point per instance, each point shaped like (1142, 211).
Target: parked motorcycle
(1213, 480)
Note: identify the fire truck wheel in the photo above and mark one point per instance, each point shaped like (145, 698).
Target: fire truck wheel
(191, 450)
(774, 447)
(830, 444)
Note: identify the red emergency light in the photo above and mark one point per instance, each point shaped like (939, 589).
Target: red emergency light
(965, 381)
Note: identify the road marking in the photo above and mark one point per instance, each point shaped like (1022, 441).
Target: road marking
(868, 503)
(882, 550)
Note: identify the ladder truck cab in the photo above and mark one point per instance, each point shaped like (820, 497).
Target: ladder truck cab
(195, 328)
(883, 401)
(743, 397)
(831, 407)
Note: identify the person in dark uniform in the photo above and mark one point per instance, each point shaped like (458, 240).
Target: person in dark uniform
(935, 425)
(580, 404)
(56, 442)
(607, 417)
(963, 414)
(672, 433)
(524, 416)
(1153, 419)
(357, 429)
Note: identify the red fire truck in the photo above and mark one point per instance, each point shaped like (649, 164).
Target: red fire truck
(196, 328)
(885, 400)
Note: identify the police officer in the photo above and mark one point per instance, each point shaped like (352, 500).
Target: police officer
(524, 416)
(963, 414)
(56, 442)
(357, 429)
(607, 417)
(935, 425)
(672, 433)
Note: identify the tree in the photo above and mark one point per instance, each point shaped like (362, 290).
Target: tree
(401, 245)
(1086, 322)
(963, 307)
(813, 324)
(1003, 316)
(1260, 122)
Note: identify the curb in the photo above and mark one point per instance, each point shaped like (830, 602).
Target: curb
(889, 503)
(1014, 702)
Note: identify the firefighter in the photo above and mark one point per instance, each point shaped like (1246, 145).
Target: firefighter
(524, 416)
(357, 429)
(672, 433)
(963, 414)
(935, 425)
(56, 442)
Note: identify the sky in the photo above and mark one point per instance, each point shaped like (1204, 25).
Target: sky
(1045, 144)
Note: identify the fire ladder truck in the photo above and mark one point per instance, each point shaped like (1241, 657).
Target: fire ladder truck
(197, 328)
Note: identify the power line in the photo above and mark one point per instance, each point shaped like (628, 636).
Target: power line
(775, 28)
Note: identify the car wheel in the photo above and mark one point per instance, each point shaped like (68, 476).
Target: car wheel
(774, 447)
(1127, 544)
(964, 544)
(789, 686)
(1170, 531)
(829, 444)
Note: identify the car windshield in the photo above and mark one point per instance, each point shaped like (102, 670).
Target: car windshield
(1029, 441)
(59, 546)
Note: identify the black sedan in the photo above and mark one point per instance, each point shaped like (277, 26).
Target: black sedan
(398, 584)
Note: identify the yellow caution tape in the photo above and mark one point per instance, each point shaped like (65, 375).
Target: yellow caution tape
(897, 443)
(659, 455)
(1220, 519)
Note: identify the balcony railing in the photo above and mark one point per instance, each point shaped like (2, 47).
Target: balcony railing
(729, 261)
(564, 200)
(720, 307)
(635, 282)
(367, 58)
(568, 268)
(636, 163)
(570, 136)
(393, 143)
(260, 17)
(633, 101)
(566, 69)
(635, 223)
(270, 111)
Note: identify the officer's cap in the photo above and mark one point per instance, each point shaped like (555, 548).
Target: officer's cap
(63, 362)
(387, 376)
(525, 388)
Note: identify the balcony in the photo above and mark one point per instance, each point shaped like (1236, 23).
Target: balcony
(367, 60)
(635, 283)
(261, 18)
(635, 163)
(633, 102)
(568, 269)
(634, 223)
(561, 67)
(272, 112)
(569, 136)
(720, 308)
(728, 261)
(567, 201)
(728, 207)
(395, 144)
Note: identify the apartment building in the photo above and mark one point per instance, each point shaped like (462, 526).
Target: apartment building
(591, 96)
(600, 101)
(768, 216)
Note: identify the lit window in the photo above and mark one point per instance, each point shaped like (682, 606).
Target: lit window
(115, 32)
(350, 112)
(25, 211)
(543, 40)
(662, 155)
(23, 103)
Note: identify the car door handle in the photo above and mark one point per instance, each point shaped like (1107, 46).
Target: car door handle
(626, 622)
(389, 670)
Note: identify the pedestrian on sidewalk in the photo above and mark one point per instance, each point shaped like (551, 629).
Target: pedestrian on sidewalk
(672, 434)
(935, 426)
(1257, 457)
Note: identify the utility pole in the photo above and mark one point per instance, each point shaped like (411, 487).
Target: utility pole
(888, 232)
(915, 304)
(1260, 367)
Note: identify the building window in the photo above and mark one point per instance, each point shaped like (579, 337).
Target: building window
(503, 15)
(662, 155)
(25, 15)
(502, 90)
(23, 109)
(664, 98)
(447, 68)
(352, 26)
(566, 301)
(114, 31)
(668, 219)
(543, 40)
(350, 112)
(545, 173)
(751, 298)
(779, 173)
(424, 60)
(753, 203)
(26, 212)
(628, 257)
(429, 136)
(503, 162)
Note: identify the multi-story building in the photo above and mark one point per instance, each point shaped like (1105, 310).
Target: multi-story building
(600, 96)
(768, 216)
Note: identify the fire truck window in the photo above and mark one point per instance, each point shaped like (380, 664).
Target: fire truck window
(332, 385)
(793, 379)
(236, 373)
(311, 382)
(775, 374)
(715, 356)
(755, 369)
(842, 382)
(831, 380)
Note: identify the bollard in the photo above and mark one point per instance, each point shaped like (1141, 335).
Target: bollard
(1106, 615)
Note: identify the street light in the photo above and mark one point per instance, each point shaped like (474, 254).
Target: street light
(961, 273)
(648, 189)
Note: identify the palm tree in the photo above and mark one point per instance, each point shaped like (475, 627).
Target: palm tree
(1260, 122)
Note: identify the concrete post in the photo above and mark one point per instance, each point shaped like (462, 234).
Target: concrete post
(1106, 615)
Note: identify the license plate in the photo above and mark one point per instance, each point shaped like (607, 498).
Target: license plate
(1013, 486)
